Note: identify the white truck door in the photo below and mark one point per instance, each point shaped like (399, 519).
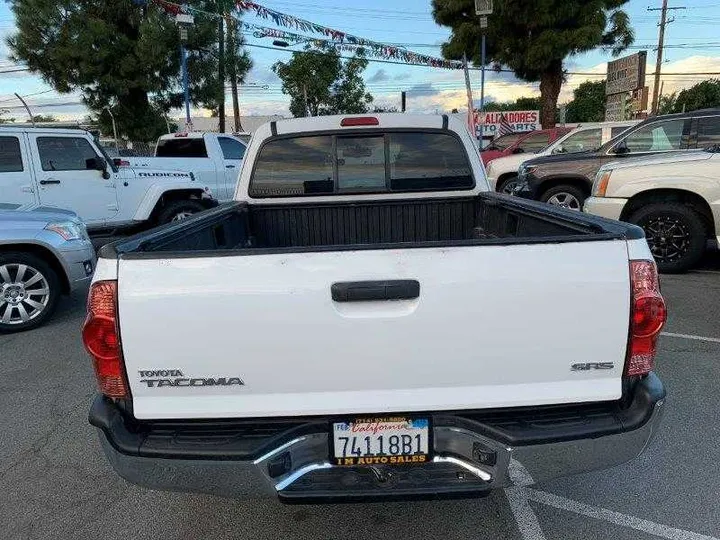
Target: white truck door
(16, 178)
(65, 181)
(233, 152)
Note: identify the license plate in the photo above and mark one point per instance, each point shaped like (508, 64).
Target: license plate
(381, 441)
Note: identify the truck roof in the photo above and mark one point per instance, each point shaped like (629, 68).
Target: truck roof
(22, 129)
(385, 120)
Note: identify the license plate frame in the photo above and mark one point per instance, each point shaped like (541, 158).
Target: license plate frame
(363, 460)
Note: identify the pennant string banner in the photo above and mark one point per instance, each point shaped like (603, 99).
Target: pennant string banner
(338, 39)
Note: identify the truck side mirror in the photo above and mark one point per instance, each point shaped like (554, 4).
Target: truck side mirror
(97, 164)
(620, 150)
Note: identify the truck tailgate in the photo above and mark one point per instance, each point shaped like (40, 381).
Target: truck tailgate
(260, 335)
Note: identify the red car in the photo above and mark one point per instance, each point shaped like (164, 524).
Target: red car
(518, 143)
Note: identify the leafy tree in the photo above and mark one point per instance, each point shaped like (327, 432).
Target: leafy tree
(44, 118)
(666, 104)
(588, 104)
(389, 109)
(5, 120)
(534, 38)
(120, 55)
(520, 104)
(319, 82)
(238, 64)
(700, 96)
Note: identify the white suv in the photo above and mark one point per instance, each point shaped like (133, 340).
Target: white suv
(503, 172)
(674, 197)
(65, 168)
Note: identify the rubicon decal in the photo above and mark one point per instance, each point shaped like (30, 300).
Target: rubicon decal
(174, 377)
(164, 174)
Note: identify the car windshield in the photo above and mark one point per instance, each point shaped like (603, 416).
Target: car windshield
(501, 143)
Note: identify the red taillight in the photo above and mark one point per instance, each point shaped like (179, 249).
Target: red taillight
(648, 315)
(359, 121)
(102, 340)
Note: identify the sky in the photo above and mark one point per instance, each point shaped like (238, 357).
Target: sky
(692, 44)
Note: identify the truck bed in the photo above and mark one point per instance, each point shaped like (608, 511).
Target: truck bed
(454, 221)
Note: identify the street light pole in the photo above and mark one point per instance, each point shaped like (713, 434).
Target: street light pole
(184, 21)
(482, 67)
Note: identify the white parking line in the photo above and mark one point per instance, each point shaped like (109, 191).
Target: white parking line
(689, 336)
(650, 527)
(526, 520)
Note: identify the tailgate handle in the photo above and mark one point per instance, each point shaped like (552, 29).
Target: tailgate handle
(363, 291)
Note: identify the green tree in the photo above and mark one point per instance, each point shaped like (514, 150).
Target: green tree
(534, 38)
(44, 118)
(5, 120)
(520, 104)
(703, 95)
(666, 104)
(118, 55)
(238, 64)
(318, 81)
(588, 104)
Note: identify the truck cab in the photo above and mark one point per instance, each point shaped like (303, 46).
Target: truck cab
(214, 159)
(66, 168)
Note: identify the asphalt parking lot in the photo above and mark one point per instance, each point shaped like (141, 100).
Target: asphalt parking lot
(54, 482)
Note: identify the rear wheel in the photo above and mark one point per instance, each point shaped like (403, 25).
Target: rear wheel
(29, 290)
(508, 185)
(179, 210)
(675, 233)
(564, 196)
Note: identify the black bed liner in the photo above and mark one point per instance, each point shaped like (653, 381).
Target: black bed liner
(247, 229)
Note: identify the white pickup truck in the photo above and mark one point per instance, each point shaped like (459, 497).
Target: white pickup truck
(66, 169)
(214, 159)
(358, 293)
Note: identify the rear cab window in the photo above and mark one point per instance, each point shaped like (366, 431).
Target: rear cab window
(10, 155)
(708, 131)
(182, 147)
(231, 149)
(378, 162)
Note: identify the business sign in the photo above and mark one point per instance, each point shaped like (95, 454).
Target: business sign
(626, 74)
(520, 121)
(626, 105)
(625, 90)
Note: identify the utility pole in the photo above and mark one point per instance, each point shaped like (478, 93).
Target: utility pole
(661, 43)
(221, 66)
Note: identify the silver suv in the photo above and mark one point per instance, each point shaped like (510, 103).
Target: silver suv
(44, 253)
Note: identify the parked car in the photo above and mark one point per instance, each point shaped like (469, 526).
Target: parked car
(65, 168)
(44, 253)
(374, 277)
(565, 180)
(675, 198)
(503, 172)
(521, 143)
(214, 159)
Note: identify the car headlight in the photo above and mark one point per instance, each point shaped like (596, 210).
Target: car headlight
(600, 185)
(526, 169)
(69, 230)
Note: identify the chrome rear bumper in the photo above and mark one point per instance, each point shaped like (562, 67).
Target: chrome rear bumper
(468, 461)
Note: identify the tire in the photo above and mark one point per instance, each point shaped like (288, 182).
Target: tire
(681, 251)
(507, 184)
(565, 196)
(179, 210)
(38, 284)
